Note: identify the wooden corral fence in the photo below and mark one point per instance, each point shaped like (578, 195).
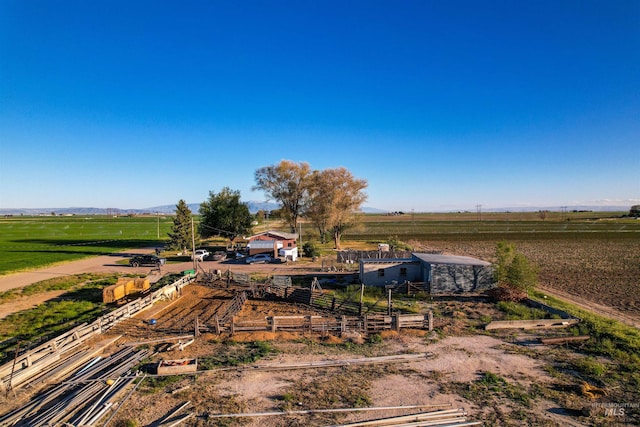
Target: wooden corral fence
(324, 324)
(235, 307)
(408, 288)
(281, 287)
(33, 362)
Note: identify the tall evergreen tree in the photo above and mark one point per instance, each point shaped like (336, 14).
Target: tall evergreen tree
(180, 236)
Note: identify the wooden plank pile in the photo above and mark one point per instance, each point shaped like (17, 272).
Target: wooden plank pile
(446, 417)
(84, 398)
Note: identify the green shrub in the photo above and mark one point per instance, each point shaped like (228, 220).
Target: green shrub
(590, 366)
(517, 311)
(375, 339)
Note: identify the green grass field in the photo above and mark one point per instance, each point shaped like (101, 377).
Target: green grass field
(31, 242)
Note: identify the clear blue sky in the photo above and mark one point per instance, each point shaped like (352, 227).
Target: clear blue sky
(438, 104)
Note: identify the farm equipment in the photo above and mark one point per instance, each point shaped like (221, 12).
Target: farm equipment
(125, 286)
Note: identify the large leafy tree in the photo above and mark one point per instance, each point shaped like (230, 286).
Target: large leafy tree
(285, 183)
(180, 235)
(223, 214)
(318, 209)
(335, 199)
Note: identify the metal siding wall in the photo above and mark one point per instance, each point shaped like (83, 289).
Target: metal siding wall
(448, 278)
(369, 273)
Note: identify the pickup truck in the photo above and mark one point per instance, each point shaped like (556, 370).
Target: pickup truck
(153, 260)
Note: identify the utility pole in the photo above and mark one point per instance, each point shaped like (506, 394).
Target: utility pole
(300, 251)
(479, 209)
(158, 217)
(193, 245)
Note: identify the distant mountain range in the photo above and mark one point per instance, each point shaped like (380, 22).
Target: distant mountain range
(257, 206)
(164, 210)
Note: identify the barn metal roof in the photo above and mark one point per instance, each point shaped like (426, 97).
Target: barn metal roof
(450, 259)
(430, 259)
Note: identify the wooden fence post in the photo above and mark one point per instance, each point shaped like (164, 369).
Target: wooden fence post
(389, 308)
(216, 322)
(430, 319)
(233, 326)
(272, 321)
(343, 324)
(361, 299)
(333, 304)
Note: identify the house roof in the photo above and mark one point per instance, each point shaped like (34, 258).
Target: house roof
(450, 259)
(274, 233)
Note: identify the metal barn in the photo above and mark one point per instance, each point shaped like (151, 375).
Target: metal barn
(440, 274)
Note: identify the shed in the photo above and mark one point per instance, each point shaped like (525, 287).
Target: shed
(440, 273)
(290, 254)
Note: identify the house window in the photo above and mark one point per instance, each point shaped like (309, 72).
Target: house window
(381, 272)
(289, 244)
(403, 271)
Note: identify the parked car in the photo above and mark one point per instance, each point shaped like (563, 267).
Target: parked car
(200, 254)
(147, 259)
(219, 255)
(259, 258)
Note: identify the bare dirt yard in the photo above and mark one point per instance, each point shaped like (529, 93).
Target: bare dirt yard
(501, 379)
(452, 373)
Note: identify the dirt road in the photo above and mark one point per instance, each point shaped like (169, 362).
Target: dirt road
(99, 264)
(112, 264)
(600, 309)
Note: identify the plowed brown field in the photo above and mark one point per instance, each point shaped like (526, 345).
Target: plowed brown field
(600, 270)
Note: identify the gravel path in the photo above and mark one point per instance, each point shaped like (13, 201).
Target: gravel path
(99, 264)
